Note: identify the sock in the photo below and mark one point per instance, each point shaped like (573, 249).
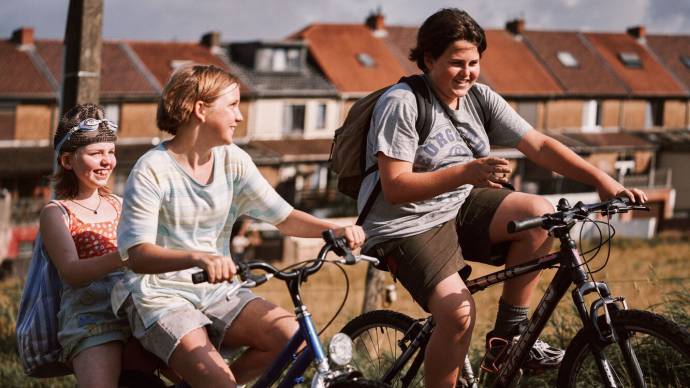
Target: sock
(508, 319)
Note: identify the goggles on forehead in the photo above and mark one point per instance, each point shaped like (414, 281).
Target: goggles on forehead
(86, 125)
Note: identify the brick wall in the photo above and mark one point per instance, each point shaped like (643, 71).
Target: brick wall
(138, 120)
(675, 114)
(6, 122)
(604, 161)
(34, 121)
(633, 114)
(562, 114)
(610, 113)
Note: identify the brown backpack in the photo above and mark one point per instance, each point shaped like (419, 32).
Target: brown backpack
(348, 151)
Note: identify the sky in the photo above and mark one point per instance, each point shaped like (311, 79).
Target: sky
(243, 20)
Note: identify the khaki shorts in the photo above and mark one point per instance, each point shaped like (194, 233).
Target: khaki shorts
(422, 261)
(165, 334)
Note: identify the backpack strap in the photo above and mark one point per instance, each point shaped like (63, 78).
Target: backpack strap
(422, 94)
(474, 95)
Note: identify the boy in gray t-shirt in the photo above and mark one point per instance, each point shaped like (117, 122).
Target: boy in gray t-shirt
(395, 136)
(446, 195)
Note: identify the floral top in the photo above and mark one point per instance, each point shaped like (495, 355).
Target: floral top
(94, 239)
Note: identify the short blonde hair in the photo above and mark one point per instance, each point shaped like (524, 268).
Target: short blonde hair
(188, 85)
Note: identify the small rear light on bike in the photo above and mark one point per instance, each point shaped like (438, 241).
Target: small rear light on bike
(340, 349)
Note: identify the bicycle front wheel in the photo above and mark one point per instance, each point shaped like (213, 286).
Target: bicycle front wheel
(651, 351)
(379, 340)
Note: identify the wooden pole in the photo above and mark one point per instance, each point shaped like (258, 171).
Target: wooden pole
(374, 289)
(81, 74)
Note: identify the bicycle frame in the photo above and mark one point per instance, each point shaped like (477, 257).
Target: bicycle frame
(314, 350)
(570, 271)
(290, 355)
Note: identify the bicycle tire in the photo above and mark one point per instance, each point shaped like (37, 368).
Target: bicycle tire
(375, 336)
(662, 349)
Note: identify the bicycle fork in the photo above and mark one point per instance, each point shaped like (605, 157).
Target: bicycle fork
(607, 333)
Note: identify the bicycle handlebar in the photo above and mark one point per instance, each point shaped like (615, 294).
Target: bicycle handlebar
(567, 214)
(337, 245)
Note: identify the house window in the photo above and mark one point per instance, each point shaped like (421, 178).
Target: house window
(293, 60)
(293, 118)
(263, 59)
(278, 59)
(567, 59)
(528, 111)
(630, 59)
(685, 59)
(654, 115)
(366, 60)
(591, 115)
(321, 116)
(112, 112)
(6, 122)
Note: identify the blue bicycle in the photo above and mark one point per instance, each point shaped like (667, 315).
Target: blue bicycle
(332, 370)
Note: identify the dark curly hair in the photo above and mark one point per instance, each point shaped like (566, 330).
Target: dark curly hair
(443, 28)
(65, 181)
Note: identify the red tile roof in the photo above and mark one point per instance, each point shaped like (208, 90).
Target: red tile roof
(400, 41)
(119, 76)
(335, 48)
(158, 57)
(649, 80)
(19, 76)
(669, 49)
(590, 77)
(511, 68)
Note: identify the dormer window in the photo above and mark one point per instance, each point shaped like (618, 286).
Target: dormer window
(365, 60)
(630, 59)
(278, 59)
(567, 59)
(685, 59)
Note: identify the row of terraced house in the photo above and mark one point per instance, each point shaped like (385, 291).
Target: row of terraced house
(620, 99)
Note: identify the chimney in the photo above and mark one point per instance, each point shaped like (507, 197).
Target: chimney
(637, 32)
(211, 40)
(376, 22)
(516, 26)
(23, 36)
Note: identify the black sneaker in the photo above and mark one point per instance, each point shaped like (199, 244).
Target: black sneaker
(542, 356)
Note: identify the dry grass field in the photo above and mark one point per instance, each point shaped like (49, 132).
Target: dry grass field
(647, 273)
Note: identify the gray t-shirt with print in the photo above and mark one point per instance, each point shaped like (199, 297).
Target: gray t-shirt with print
(393, 133)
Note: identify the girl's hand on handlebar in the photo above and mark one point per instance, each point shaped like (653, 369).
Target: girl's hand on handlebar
(636, 195)
(354, 234)
(607, 192)
(218, 268)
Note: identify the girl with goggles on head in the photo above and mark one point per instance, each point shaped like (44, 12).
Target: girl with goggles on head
(79, 233)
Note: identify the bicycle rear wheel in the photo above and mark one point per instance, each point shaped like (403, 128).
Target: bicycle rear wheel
(379, 340)
(660, 347)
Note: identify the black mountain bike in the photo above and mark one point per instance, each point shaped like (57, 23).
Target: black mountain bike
(616, 347)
